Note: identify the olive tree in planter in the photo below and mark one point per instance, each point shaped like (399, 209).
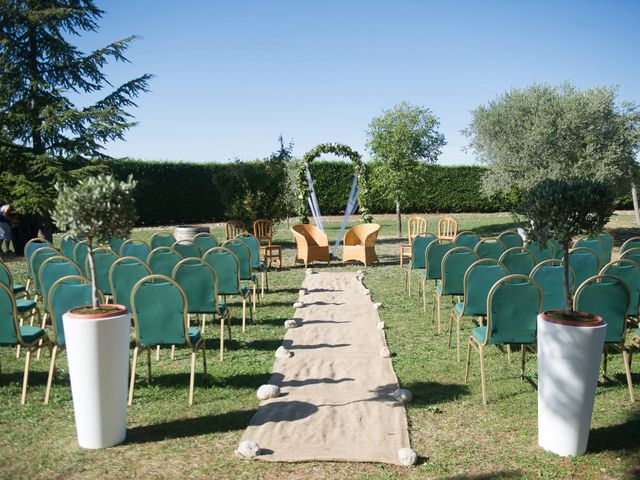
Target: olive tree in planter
(570, 343)
(97, 336)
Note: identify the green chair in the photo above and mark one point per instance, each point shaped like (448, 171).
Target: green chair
(161, 239)
(541, 252)
(434, 254)
(607, 241)
(7, 279)
(594, 244)
(162, 260)
(205, 241)
(511, 239)
(608, 297)
(65, 293)
(115, 243)
(419, 244)
(29, 249)
(518, 260)
(11, 333)
(549, 275)
(557, 249)
(123, 275)
(243, 253)
(160, 318)
(490, 248)
(135, 248)
(633, 242)
(67, 244)
(200, 284)
(257, 266)
(36, 260)
(227, 269)
(585, 263)
(187, 249)
(52, 269)
(103, 258)
(632, 254)
(466, 239)
(513, 304)
(80, 252)
(454, 265)
(629, 273)
(478, 280)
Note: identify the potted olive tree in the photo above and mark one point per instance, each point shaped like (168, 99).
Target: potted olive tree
(570, 343)
(97, 335)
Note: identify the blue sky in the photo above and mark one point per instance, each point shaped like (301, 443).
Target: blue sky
(231, 76)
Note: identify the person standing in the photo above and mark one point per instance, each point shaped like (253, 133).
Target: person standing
(6, 218)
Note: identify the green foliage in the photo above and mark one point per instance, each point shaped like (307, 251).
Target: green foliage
(543, 131)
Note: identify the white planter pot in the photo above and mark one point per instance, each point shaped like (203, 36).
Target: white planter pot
(98, 355)
(568, 364)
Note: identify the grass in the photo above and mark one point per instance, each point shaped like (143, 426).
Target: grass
(455, 436)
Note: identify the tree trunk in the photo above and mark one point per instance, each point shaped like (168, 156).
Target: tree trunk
(634, 196)
(46, 226)
(399, 218)
(568, 306)
(92, 269)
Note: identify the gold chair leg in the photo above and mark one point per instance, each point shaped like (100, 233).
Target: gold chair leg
(132, 381)
(228, 323)
(261, 284)
(627, 368)
(222, 337)
(52, 367)
(458, 338)
(523, 353)
(149, 364)
(157, 354)
(438, 299)
(25, 378)
(204, 357)
(466, 369)
(483, 375)
(244, 314)
(173, 352)
(424, 295)
(509, 357)
(192, 376)
(450, 329)
(203, 321)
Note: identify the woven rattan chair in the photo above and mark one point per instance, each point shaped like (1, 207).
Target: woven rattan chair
(360, 243)
(312, 244)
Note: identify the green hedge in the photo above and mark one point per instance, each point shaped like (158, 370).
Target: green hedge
(170, 192)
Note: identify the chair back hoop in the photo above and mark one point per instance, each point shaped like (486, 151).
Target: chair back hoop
(447, 228)
(629, 272)
(511, 239)
(609, 297)
(30, 247)
(243, 253)
(513, 305)
(37, 259)
(187, 249)
(595, 244)
(9, 327)
(541, 253)
(135, 248)
(66, 293)
(311, 235)
(478, 279)
(363, 234)
(466, 239)
(632, 254)
(227, 268)
(115, 243)
(80, 252)
(5, 275)
(159, 307)
(585, 262)
(67, 242)
(454, 265)
(254, 247)
(205, 241)
(607, 241)
(415, 226)
(161, 239)
(232, 228)
(434, 253)
(123, 275)
(419, 246)
(518, 260)
(200, 284)
(633, 242)
(263, 230)
(162, 260)
(490, 247)
(549, 275)
(103, 258)
(51, 270)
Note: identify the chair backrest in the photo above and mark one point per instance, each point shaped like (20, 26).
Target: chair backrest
(466, 239)
(67, 293)
(362, 234)
(123, 275)
(51, 270)
(608, 297)
(160, 312)
(415, 226)
(263, 231)
(629, 272)
(607, 241)
(80, 252)
(419, 246)
(594, 244)
(9, 329)
(490, 248)
(549, 275)
(435, 252)
(510, 239)
(135, 248)
(67, 243)
(5, 275)
(161, 239)
(632, 254)
(447, 228)
(103, 258)
(513, 304)
(233, 228)
(557, 248)
(227, 269)
(585, 263)
(115, 243)
(187, 249)
(30, 247)
(243, 253)
(198, 280)
(254, 245)
(162, 260)
(478, 280)
(541, 252)
(454, 265)
(633, 242)
(518, 260)
(310, 234)
(36, 260)
(205, 241)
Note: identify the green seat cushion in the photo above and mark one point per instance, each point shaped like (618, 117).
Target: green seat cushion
(24, 304)
(458, 308)
(479, 333)
(31, 334)
(17, 288)
(194, 335)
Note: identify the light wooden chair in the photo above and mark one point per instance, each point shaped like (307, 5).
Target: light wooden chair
(263, 231)
(447, 228)
(360, 243)
(415, 226)
(233, 228)
(312, 244)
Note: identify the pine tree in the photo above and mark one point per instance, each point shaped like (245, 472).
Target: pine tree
(44, 137)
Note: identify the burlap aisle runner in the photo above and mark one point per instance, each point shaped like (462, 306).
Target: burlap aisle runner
(336, 400)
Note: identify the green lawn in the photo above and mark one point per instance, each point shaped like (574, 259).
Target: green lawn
(455, 436)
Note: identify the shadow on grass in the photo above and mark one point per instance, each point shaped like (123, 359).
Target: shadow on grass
(425, 393)
(496, 229)
(621, 235)
(488, 476)
(624, 436)
(244, 380)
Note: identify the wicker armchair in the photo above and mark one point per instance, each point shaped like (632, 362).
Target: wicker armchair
(360, 243)
(312, 244)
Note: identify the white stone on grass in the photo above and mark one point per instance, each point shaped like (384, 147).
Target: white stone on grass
(291, 323)
(385, 352)
(403, 395)
(359, 272)
(377, 305)
(309, 271)
(367, 291)
(380, 326)
(302, 292)
(283, 352)
(248, 449)
(268, 391)
(407, 457)
(298, 305)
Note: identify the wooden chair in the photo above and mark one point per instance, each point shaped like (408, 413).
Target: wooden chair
(233, 228)
(415, 226)
(312, 244)
(360, 243)
(263, 231)
(447, 228)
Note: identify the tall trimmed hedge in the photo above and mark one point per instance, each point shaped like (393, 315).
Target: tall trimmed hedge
(170, 192)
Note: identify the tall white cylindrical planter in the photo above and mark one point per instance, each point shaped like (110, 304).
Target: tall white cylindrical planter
(98, 355)
(569, 354)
